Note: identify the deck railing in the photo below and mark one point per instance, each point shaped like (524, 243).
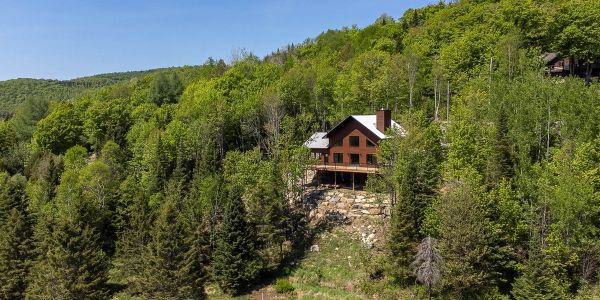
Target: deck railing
(343, 167)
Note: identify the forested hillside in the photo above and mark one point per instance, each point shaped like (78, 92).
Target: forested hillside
(188, 177)
(16, 91)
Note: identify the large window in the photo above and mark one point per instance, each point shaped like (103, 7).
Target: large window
(338, 158)
(354, 141)
(371, 159)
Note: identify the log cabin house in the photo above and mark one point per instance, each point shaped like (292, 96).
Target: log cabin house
(348, 152)
(555, 65)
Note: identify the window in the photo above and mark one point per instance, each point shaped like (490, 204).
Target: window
(338, 158)
(354, 141)
(326, 158)
(354, 159)
(339, 143)
(370, 144)
(371, 159)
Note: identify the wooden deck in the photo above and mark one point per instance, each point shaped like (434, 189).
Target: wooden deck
(369, 169)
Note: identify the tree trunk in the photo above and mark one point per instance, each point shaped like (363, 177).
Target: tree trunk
(588, 73)
(448, 101)
(435, 100)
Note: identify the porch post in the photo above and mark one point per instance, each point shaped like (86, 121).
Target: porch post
(334, 179)
(353, 181)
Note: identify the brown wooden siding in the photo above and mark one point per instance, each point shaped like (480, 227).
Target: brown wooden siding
(351, 128)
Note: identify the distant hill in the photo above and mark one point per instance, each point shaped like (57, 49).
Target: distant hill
(15, 91)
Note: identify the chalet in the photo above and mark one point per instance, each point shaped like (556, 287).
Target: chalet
(348, 152)
(555, 65)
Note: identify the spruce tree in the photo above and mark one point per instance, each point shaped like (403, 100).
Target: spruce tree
(72, 264)
(416, 175)
(133, 239)
(404, 228)
(15, 255)
(174, 261)
(235, 261)
(15, 238)
(538, 282)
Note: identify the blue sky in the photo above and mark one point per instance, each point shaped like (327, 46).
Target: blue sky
(74, 38)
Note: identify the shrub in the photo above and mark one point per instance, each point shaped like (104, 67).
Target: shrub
(283, 286)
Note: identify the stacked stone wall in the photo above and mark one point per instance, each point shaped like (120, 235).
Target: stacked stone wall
(348, 204)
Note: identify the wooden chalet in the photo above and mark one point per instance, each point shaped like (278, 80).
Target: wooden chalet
(555, 65)
(348, 152)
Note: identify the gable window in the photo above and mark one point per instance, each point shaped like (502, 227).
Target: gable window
(371, 159)
(370, 144)
(339, 143)
(354, 141)
(338, 158)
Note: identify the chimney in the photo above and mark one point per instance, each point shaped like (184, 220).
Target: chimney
(384, 119)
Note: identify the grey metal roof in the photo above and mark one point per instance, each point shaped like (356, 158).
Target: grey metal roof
(317, 141)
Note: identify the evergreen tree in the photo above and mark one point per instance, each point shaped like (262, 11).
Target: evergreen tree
(174, 260)
(416, 176)
(72, 264)
(129, 261)
(234, 260)
(404, 228)
(467, 241)
(15, 238)
(15, 255)
(501, 163)
(537, 281)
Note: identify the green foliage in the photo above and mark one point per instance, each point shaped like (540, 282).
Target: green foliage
(235, 258)
(72, 266)
(130, 169)
(165, 88)
(16, 244)
(173, 265)
(62, 129)
(283, 286)
(578, 29)
(107, 121)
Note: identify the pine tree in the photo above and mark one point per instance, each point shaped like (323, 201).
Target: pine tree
(466, 241)
(235, 261)
(174, 261)
(404, 228)
(15, 239)
(15, 255)
(128, 262)
(72, 264)
(537, 281)
(501, 163)
(416, 176)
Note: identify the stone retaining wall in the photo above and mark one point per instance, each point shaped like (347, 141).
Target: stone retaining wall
(347, 204)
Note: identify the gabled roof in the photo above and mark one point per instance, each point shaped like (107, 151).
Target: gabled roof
(320, 140)
(370, 122)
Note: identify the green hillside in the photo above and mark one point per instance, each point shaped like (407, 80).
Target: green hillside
(184, 183)
(16, 91)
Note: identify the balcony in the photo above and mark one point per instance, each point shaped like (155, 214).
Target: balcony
(350, 168)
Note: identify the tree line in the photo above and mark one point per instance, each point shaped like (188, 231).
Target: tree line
(156, 187)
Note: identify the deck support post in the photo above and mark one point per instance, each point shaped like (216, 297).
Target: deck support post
(334, 179)
(318, 175)
(353, 181)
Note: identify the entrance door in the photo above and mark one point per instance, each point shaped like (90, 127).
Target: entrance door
(354, 159)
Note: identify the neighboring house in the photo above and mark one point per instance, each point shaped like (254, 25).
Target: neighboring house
(564, 66)
(350, 148)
